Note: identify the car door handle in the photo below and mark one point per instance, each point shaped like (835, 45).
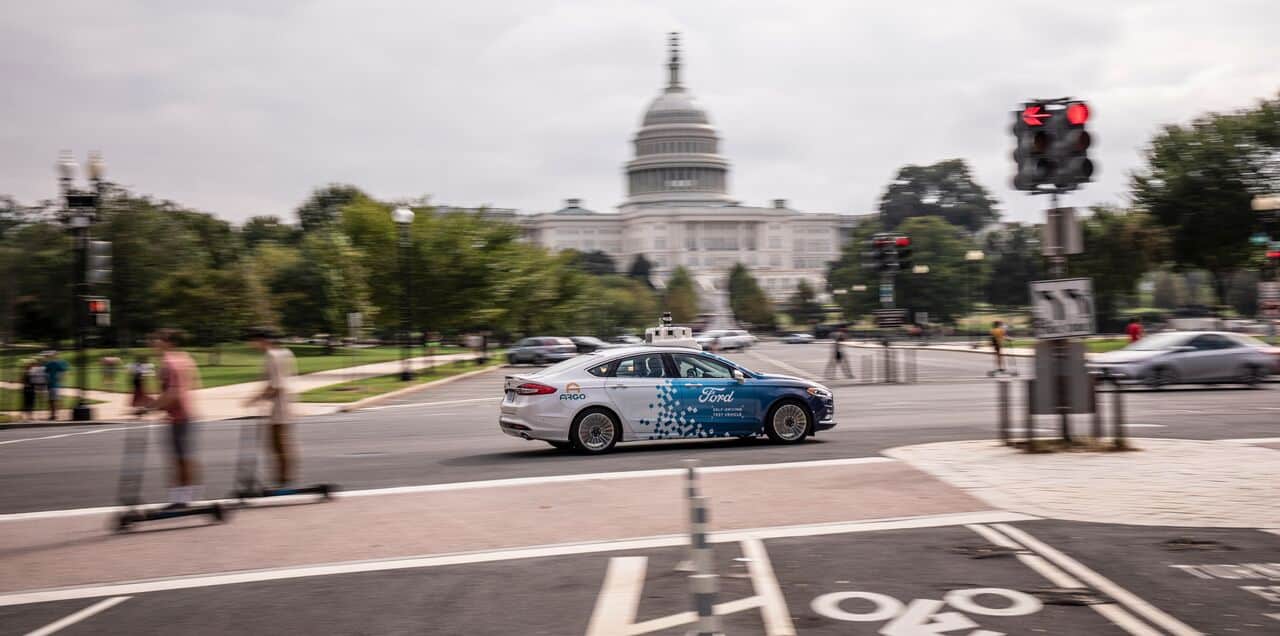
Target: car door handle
(618, 386)
(694, 384)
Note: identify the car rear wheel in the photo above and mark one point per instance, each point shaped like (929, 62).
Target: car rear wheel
(1161, 377)
(511, 359)
(595, 431)
(788, 423)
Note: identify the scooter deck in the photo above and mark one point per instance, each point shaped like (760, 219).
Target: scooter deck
(130, 517)
(324, 490)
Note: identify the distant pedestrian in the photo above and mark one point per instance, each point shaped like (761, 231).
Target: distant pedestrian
(1134, 330)
(140, 374)
(998, 335)
(278, 369)
(54, 369)
(838, 361)
(33, 384)
(178, 378)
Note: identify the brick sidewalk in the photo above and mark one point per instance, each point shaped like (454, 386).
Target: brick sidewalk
(1167, 482)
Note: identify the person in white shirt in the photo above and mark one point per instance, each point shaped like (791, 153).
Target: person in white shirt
(278, 369)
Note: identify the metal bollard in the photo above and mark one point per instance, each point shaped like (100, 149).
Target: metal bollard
(1119, 441)
(1002, 400)
(1096, 416)
(912, 353)
(1029, 419)
(703, 583)
(692, 492)
(868, 370)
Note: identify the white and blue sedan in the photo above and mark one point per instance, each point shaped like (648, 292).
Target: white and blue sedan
(593, 401)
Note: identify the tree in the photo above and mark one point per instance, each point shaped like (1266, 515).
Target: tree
(1170, 290)
(263, 229)
(747, 300)
(641, 269)
(1199, 181)
(681, 296)
(945, 189)
(1015, 261)
(42, 298)
(803, 306)
(594, 262)
(1120, 247)
(324, 284)
(324, 206)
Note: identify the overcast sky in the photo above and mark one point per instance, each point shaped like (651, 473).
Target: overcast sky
(241, 108)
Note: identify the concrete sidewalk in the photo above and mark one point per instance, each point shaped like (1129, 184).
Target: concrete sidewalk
(227, 402)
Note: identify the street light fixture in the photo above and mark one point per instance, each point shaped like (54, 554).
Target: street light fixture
(920, 269)
(403, 218)
(973, 257)
(858, 288)
(82, 208)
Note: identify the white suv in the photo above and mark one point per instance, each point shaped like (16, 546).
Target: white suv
(728, 339)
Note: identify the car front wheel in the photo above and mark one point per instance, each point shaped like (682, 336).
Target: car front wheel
(1161, 377)
(788, 423)
(595, 431)
(1253, 376)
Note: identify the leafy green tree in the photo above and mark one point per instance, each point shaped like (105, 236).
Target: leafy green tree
(747, 300)
(264, 229)
(803, 306)
(324, 206)
(1015, 261)
(850, 271)
(324, 284)
(641, 269)
(594, 262)
(42, 273)
(680, 297)
(1120, 247)
(1199, 180)
(1170, 290)
(945, 189)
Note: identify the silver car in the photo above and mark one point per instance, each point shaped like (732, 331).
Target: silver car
(1189, 357)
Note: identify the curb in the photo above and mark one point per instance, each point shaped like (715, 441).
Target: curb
(1015, 353)
(378, 399)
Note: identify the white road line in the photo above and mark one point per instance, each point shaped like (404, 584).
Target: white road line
(440, 403)
(790, 369)
(619, 598)
(464, 558)
(1100, 583)
(1113, 613)
(773, 605)
(61, 435)
(1252, 440)
(494, 483)
(98, 607)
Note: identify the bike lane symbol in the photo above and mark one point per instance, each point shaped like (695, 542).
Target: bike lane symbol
(924, 617)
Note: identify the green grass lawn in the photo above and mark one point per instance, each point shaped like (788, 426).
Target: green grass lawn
(240, 362)
(1092, 346)
(360, 389)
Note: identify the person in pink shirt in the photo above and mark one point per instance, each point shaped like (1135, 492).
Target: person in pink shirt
(178, 378)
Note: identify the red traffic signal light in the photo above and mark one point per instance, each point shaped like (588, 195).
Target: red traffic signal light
(99, 306)
(1078, 113)
(902, 241)
(1034, 115)
(1273, 254)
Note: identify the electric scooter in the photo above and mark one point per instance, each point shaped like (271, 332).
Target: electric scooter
(248, 486)
(136, 440)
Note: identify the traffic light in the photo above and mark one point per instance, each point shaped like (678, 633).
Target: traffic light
(880, 253)
(99, 310)
(1071, 143)
(1031, 153)
(902, 247)
(99, 263)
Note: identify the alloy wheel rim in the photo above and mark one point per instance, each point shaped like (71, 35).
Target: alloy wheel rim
(595, 431)
(789, 422)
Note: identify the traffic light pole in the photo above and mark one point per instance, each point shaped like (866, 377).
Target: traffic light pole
(81, 411)
(1058, 269)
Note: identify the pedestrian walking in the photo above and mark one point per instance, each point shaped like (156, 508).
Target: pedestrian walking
(998, 335)
(178, 378)
(140, 374)
(1134, 330)
(33, 385)
(278, 369)
(54, 368)
(838, 360)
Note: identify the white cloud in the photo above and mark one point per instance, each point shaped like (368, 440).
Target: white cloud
(241, 108)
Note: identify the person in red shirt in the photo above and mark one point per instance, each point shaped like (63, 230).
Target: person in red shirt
(178, 378)
(1134, 330)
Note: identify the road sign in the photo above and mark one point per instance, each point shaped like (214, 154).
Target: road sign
(1269, 299)
(1062, 308)
(886, 293)
(887, 318)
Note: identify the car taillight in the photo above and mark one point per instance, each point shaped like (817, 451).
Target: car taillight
(534, 388)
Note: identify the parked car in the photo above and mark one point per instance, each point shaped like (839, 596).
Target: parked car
(1190, 357)
(541, 350)
(628, 339)
(798, 338)
(587, 344)
(726, 339)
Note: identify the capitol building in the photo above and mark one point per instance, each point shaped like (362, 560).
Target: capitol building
(678, 211)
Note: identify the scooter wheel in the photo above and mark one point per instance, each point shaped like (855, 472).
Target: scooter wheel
(123, 522)
(327, 491)
(218, 514)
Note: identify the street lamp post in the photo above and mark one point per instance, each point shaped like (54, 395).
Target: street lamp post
(82, 208)
(973, 257)
(403, 218)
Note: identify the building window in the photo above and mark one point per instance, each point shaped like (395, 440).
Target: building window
(659, 242)
(775, 260)
(775, 242)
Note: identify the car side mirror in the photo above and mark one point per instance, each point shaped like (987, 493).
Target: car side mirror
(738, 375)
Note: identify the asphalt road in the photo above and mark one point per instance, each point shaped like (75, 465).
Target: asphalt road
(450, 433)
